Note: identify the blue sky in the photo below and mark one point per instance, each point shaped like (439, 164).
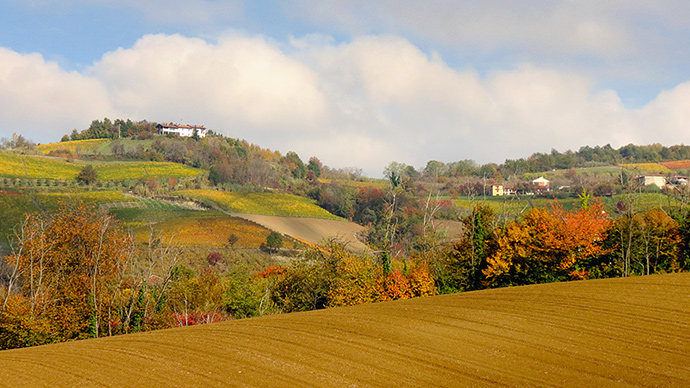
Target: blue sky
(356, 83)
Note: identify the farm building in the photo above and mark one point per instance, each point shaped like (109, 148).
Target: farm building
(648, 180)
(181, 130)
(542, 183)
(501, 190)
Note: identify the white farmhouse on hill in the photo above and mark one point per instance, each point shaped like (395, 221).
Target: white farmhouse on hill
(542, 183)
(181, 130)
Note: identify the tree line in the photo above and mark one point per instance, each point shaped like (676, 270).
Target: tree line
(76, 274)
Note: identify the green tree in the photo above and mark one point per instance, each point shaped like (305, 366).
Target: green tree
(314, 165)
(232, 240)
(274, 241)
(295, 165)
(87, 175)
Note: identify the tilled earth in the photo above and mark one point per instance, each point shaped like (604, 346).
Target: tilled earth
(633, 331)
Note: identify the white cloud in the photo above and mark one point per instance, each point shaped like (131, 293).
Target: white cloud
(566, 27)
(240, 84)
(43, 102)
(363, 103)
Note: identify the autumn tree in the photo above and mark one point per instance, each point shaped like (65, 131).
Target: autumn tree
(67, 270)
(548, 245)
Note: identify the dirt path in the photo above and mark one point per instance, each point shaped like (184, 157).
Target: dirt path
(615, 332)
(313, 230)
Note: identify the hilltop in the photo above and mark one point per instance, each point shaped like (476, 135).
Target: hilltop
(593, 333)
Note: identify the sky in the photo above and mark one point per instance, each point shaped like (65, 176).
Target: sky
(356, 83)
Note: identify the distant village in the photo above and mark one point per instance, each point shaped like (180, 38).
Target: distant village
(542, 185)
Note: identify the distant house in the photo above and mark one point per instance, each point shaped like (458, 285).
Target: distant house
(648, 180)
(542, 184)
(501, 190)
(679, 180)
(181, 130)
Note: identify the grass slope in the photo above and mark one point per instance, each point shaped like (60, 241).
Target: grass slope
(631, 331)
(269, 204)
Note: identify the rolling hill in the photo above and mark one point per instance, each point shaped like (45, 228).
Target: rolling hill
(630, 331)
(39, 167)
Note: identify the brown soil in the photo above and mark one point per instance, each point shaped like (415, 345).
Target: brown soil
(633, 331)
(313, 230)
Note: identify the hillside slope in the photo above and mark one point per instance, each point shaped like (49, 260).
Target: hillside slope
(633, 331)
(312, 230)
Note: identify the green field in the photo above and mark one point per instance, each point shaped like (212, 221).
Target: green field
(513, 206)
(594, 333)
(269, 204)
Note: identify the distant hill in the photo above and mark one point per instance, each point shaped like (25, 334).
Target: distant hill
(631, 331)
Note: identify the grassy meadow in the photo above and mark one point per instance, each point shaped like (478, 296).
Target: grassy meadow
(613, 332)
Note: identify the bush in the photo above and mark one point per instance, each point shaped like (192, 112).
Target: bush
(87, 175)
(214, 258)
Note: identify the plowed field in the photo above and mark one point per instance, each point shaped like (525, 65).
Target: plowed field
(313, 230)
(633, 331)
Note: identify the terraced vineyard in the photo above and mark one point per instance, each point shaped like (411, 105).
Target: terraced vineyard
(24, 166)
(37, 167)
(74, 146)
(648, 168)
(14, 205)
(631, 331)
(269, 204)
(136, 170)
(208, 230)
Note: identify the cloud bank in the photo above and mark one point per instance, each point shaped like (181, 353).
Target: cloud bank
(361, 103)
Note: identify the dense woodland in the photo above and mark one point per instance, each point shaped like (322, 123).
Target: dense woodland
(77, 274)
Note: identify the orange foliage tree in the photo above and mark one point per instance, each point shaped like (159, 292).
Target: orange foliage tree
(548, 245)
(67, 272)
